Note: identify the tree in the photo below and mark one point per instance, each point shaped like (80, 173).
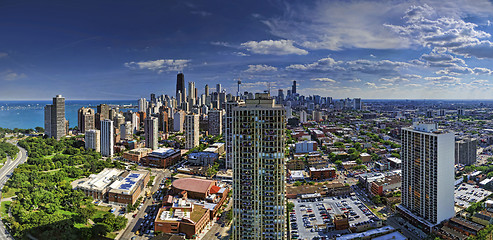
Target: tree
(377, 199)
(338, 162)
(100, 229)
(39, 129)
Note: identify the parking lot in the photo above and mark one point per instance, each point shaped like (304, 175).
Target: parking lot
(312, 219)
(465, 194)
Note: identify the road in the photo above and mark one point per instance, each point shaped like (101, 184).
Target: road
(135, 223)
(5, 173)
(224, 232)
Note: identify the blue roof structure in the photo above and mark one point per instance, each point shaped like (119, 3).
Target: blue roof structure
(129, 181)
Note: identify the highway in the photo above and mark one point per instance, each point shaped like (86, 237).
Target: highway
(5, 173)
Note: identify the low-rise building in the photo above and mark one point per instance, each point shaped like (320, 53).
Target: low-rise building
(390, 183)
(203, 158)
(322, 173)
(136, 155)
(128, 189)
(394, 163)
(98, 185)
(305, 147)
(365, 157)
(341, 222)
(162, 158)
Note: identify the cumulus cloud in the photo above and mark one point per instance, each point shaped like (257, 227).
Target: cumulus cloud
(443, 79)
(479, 70)
(274, 47)
(260, 68)
(324, 79)
(241, 54)
(322, 64)
(160, 65)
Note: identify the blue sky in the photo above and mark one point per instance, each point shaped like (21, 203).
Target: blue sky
(129, 49)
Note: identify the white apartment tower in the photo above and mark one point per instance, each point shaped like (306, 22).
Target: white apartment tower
(303, 116)
(151, 132)
(191, 131)
(107, 138)
(259, 201)
(427, 174)
(92, 140)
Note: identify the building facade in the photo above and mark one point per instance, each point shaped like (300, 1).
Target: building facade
(85, 119)
(465, 151)
(55, 123)
(107, 138)
(228, 130)
(191, 131)
(215, 118)
(92, 140)
(151, 132)
(259, 204)
(427, 174)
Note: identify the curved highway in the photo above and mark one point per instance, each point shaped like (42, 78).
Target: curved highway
(5, 173)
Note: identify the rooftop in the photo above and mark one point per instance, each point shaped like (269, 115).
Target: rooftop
(193, 184)
(127, 184)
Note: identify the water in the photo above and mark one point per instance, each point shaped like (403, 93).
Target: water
(30, 114)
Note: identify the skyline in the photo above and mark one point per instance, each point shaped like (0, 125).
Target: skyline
(396, 49)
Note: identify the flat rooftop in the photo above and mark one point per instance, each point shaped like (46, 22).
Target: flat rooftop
(127, 185)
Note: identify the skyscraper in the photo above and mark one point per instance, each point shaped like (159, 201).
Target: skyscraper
(206, 90)
(191, 131)
(259, 204)
(55, 123)
(427, 174)
(85, 119)
(357, 104)
(293, 89)
(150, 132)
(465, 151)
(228, 130)
(180, 83)
(178, 120)
(103, 112)
(218, 88)
(143, 105)
(191, 95)
(92, 139)
(215, 118)
(107, 138)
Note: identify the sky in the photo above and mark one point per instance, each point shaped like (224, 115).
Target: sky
(129, 49)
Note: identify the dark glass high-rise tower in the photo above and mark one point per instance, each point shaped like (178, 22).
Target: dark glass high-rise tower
(180, 83)
(293, 91)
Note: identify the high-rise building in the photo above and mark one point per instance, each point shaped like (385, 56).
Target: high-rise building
(103, 112)
(357, 104)
(191, 94)
(206, 90)
(107, 138)
(218, 88)
(150, 132)
(180, 83)
(86, 119)
(178, 120)
(293, 89)
(465, 151)
(92, 139)
(228, 130)
(427, 174)
(143, 105)
(303, 116)
(126, 131)
(163, 119)
(55, 123)
(215, 118)
(153, 98)
(259, 191)
(191, 131)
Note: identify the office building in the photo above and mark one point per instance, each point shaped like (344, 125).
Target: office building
(427, 174)
(293, 89)
(102, 113)
(206, 90)
(92, 140)
(191, 131)
(218, 88)
(228, 130)
(86, 119)
(55, 123)
(215, 118)
(107, 138)
(465, 151)
(259, 204)
(143, 105)
(151, 132)
(180, 84)
(126, 131)
(357, 104)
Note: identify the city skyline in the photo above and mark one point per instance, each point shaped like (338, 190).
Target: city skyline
(372, 50)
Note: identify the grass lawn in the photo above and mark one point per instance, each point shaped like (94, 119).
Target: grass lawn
(10, 193)
(111, 235)
(65, 212)
(82, 225)
(151, 181)
(4, 208)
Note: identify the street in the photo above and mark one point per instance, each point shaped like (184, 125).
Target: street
(135, 222)
(5, 173)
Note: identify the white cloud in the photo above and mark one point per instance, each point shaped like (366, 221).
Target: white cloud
(479, 70)
(224, 44)
(260, 68)
(324, 79)
(241, 54)
(274, 47)
(10, 75)
(443, 79)
(161, 65)
(322, 64)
